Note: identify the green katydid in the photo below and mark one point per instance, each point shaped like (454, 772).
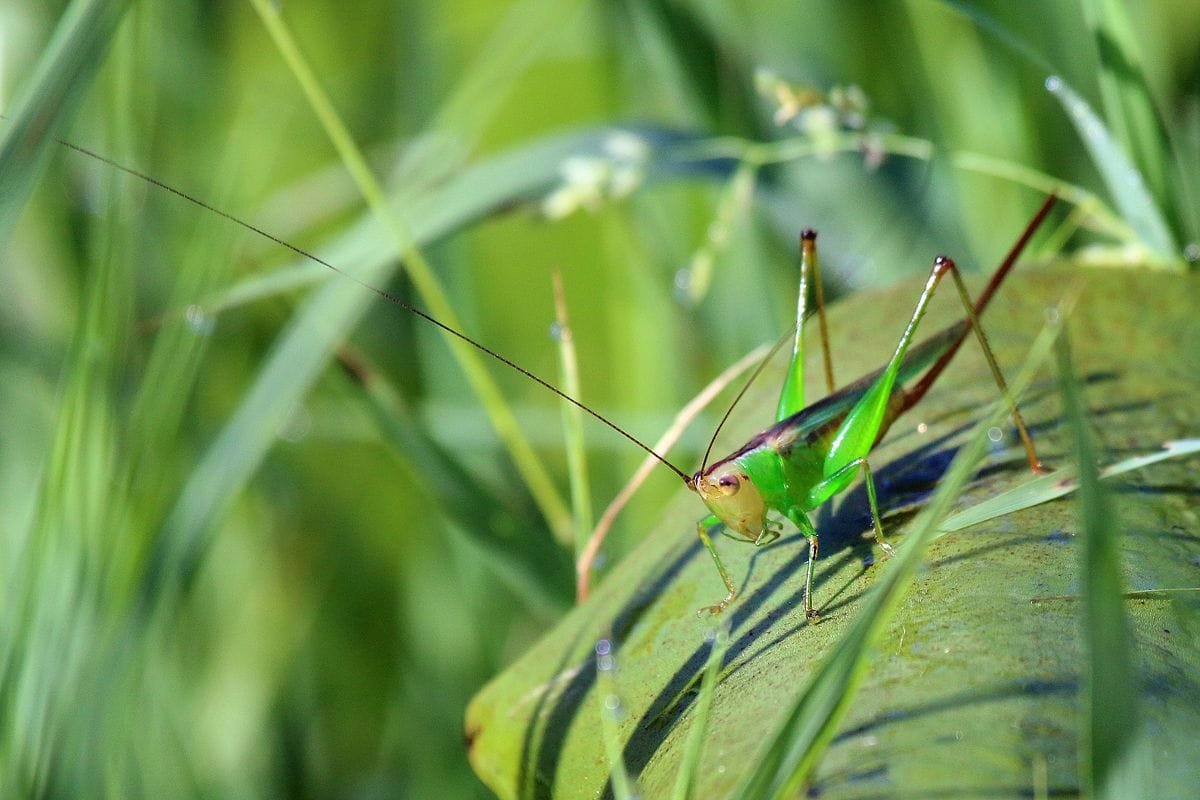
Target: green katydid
(811, 453)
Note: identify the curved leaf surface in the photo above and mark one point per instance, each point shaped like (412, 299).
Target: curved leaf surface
(976, 686)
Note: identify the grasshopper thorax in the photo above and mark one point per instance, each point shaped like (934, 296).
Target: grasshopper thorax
(730, 494)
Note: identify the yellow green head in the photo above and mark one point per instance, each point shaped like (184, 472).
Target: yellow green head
(732, 497)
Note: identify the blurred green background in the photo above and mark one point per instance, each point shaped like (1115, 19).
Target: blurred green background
(257, 536)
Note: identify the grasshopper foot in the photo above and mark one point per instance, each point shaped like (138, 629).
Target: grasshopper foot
(769, 533)
(813, 616)
(717, 608)
(767, 536)
(714, 610)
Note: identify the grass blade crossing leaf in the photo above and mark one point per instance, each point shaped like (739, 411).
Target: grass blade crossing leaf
(1057, 484)
(1113, 762)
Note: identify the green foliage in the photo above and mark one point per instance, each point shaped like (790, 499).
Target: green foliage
(51, 95)
(257, 535)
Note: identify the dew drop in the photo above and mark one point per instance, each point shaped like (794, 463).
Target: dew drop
(603, 647)
(1053, 83)
(613, 708)
(199, 320)
(995, 434)
(922, 427)
(558, 332)
(683, 280)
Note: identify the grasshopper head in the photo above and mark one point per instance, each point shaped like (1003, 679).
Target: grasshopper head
(732, 497)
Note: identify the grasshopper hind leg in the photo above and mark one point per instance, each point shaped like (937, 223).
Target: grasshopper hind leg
(914, 395)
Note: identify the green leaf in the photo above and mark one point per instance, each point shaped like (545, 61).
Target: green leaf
(969, 670)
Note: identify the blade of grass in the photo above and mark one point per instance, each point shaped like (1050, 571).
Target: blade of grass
(530, 563)
(612, 713)
(795, 749)
(732, 208)
(180, 344)
(1124, 181)
(572, 417)
(50, 608)
(1057, 484)
(526, 461)
(1128, 104)
(685, 780)
(50, 97)
(1112, 758)
(1126, 184)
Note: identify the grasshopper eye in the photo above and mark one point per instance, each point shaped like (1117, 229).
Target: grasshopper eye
(729, 484)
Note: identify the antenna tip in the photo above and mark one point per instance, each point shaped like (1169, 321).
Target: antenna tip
(808, 235)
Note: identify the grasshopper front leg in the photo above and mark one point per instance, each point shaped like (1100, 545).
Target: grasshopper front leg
(702, 531)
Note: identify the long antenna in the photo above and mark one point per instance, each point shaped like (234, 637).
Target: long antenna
(391, 298)
(745, 387)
